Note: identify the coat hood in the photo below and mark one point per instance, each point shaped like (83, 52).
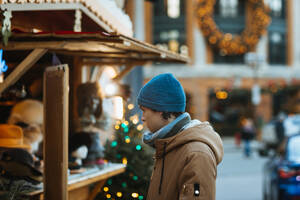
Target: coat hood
(195, 131)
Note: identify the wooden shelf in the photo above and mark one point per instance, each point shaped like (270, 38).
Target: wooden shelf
(81, 182)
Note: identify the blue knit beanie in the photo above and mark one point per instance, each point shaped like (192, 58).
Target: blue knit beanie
(163, 93)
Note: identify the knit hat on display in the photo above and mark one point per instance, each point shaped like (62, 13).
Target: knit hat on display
(163, 93)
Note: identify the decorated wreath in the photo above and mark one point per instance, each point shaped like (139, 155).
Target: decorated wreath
(227, 43)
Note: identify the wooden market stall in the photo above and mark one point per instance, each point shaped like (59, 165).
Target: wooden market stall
(91, 41)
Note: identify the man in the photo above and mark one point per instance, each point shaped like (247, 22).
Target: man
(187, 151)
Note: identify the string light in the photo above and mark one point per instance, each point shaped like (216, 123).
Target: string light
(117, 127)
(124, 161)
(119, 194)
(126, 130)
(114, 143)
(134, 119)
(138, 147)
(141, 197)
(130, 106)
(139, 127)
(135, 178)
(105, 189)
(221, 95)
(124, 185)
(135, 195)
(108, 196)
(127, 139)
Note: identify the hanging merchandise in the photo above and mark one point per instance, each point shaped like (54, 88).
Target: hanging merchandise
(227, 43)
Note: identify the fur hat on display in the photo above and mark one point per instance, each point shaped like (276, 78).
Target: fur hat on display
(28, 114)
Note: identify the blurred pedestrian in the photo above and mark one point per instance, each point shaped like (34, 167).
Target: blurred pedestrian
(279, 129)
(248, 133)
(187, 151)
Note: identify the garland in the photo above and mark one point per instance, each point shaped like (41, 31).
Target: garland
(227, 43)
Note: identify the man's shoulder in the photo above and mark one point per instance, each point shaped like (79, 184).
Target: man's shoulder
(195, 146)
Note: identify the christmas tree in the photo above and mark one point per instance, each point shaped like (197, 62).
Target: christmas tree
(128, 148)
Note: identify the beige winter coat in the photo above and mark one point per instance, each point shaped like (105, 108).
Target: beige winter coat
(186, 162)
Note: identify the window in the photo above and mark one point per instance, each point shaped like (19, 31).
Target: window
(277, 7)
(277, 47)
(230, 17)
(169, 25)
(173, 8)
(228, 8)
(277, 33)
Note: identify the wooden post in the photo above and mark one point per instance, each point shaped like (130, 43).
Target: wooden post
(76, 80)
(56, 104)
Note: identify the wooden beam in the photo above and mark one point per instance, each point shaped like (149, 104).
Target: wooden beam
(56, 122)
(129, 55)
(96, 190)
(23, 67)
(76, 81)
(93, 46)
(124, 72)
(89, 62)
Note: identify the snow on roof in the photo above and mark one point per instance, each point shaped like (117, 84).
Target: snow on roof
(105, 10)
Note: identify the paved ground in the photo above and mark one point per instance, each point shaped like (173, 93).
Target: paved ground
(239, 178)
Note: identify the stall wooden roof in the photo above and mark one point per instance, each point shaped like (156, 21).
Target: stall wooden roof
(102, 47)
(95, 48)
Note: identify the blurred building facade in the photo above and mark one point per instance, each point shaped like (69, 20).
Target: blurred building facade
(222, 86)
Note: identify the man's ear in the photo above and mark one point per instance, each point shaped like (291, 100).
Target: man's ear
(161, 115)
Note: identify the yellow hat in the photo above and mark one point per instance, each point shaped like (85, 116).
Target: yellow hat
(11, 136)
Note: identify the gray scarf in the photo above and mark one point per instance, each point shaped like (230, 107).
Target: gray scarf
(169, 130)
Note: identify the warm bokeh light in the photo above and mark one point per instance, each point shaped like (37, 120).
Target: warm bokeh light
(119, 194)
(130, 106)
(127, 140)
(221, 95)
(135, 195)
(124, 161)
(110, 89)
(140, 127)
